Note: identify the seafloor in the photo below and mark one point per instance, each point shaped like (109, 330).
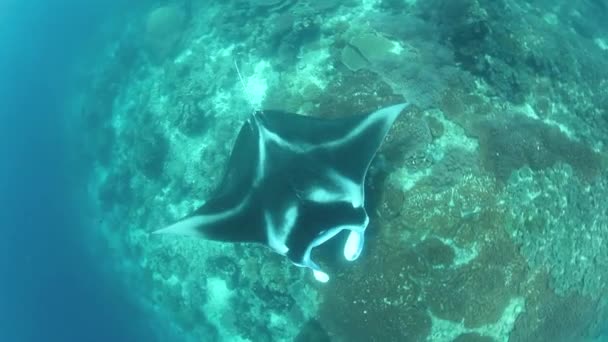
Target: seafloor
(490, 216)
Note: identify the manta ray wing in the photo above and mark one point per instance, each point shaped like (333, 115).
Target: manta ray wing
(293, 182)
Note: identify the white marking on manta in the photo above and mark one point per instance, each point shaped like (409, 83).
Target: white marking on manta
(262, 151)
(322, 195)
(320, 276)
(278, 234)
(380, 115)
(352, 247)
(346, 191)
(188, 225)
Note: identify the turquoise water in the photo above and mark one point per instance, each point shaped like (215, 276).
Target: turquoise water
(52, 286)
(487, 202)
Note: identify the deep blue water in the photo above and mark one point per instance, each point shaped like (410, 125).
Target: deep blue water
(51, 287)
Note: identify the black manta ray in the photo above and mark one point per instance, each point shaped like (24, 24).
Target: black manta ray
(292, 183)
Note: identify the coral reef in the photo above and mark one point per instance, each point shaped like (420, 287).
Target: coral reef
(407, 142)
(349, 94)
(473, 337)
(455, 164)
(312, 332)
(115, 191)
(150, 154)
(487, 200)
(163, 29)
(192, 120)
(510, 142)
(561, 223)
(554, 318)
(400, 284)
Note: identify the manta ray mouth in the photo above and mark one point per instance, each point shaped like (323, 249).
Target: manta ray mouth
(292, 183)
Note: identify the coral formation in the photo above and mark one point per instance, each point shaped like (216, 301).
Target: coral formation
(550, 317)
(312, 332)
(115, 191)
(455, 164)
(360, 92)
(408, 140)
(150, 154)
(560, 224)
(192, 120)
(392, 291)
(473, 337)
(163, 29)
(510, 142)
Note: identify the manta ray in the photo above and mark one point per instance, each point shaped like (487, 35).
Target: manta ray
(292, 183)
